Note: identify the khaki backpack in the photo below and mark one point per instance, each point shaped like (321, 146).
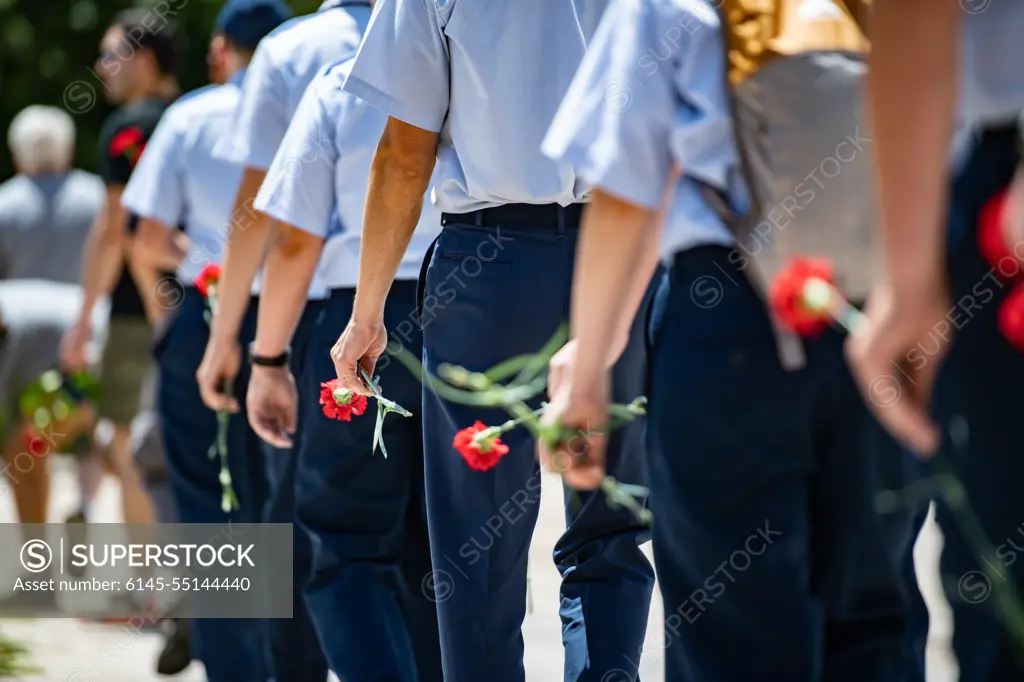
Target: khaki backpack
(795, 71)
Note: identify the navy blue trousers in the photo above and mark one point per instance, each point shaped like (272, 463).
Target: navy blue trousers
(231, 649)
(773, 563)
(295, 653)
(979, 387)
(490, 294)
(366, 516)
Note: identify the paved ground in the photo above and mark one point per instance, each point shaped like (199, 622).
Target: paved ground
(73, 651)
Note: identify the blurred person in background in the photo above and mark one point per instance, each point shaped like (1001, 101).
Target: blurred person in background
(285, 63)
(179, 181)
(45, 214)
(137, 63)
(47, 208)
(945, 151)
(139, 56)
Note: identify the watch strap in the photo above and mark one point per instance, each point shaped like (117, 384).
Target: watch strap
(269, 361)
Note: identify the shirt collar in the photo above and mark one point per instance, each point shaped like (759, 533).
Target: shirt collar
(237, 77)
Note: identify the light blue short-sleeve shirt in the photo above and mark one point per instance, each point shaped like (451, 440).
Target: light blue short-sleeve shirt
(991, 78)
(488, 76)
(318, 180)
(178, 181)
(642, 104)
(283, 65)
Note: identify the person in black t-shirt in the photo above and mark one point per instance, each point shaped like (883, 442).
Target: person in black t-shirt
(139, 56)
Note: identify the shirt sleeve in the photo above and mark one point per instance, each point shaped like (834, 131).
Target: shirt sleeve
(261, 118)
(632, 112)
(157, 187)
(121, 145)
(402, 65)
(299, 187)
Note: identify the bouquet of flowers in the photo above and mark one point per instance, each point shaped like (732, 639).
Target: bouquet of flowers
(59, 409)
(206, 284)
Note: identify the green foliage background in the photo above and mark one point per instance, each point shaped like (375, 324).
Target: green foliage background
(49, 46)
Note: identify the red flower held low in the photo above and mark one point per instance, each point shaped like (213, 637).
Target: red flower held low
(340, 404)
(992, 241)
(786, 295)
(208, 278)
(480, 453)
(1011, 317)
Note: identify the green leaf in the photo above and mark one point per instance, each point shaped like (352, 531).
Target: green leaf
(377, 430)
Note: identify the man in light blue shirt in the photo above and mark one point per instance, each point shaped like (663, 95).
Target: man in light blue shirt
(475, 85)
(284, 64)
(772, 562)
(964, 60)
(178, 181)
(366, 513)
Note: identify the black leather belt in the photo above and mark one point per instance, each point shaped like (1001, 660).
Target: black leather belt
(543, 216)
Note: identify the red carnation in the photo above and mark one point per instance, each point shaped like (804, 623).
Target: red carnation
(35, 444)
(1011, 317)
(786, 295)
(480, 453)
(340, 404)
(208, 278)
(125, 140)
(992, 241)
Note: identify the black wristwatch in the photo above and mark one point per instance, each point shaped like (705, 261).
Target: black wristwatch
(273, 361)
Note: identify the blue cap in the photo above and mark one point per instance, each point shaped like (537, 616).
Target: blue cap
(246, 22)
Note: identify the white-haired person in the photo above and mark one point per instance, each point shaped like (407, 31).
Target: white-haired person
(46, 211)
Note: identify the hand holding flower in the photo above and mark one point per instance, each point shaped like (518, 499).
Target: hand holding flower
(358, 347)
(578, 453)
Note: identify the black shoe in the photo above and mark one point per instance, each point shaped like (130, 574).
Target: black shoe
(77, 534)
(177, 652)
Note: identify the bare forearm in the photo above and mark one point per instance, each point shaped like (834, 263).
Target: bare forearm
(614, 265)
(102, 263)
(394, 201)
(248, 236)
(157, 247)
(287, 273)
(147, 281)
(914, 43)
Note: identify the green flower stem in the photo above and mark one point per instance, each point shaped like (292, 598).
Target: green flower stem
(371, 384)
(1007, 598)
(539, 362)
(824, 297)
(625, 495)
(495, 431)
(384, 406)
(495, 396)
(481, 389)
(228, 498)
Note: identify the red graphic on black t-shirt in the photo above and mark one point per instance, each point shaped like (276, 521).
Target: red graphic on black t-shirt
(128, 143)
